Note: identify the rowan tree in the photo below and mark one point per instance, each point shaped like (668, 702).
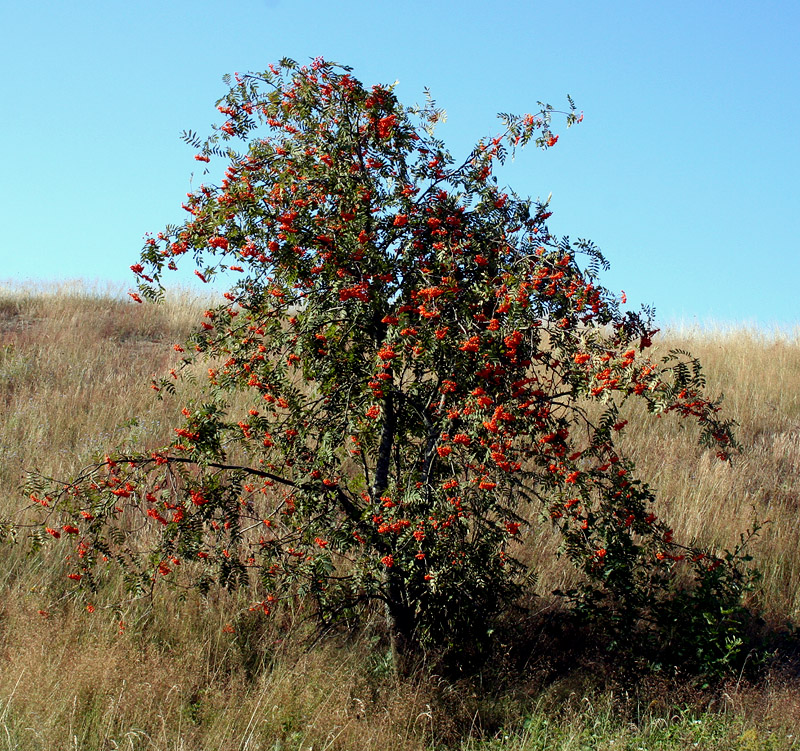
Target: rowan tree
(410, 374)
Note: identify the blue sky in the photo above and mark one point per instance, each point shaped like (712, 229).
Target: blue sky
(684, 171)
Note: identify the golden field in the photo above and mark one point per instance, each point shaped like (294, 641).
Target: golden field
(75, 369)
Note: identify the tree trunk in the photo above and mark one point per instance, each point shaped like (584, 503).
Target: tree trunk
(381, 479)
(399, 616)
(399, 622)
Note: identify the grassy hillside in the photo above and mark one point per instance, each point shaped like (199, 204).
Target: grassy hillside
(75, 369)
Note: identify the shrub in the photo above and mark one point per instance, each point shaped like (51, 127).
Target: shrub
(409, 374)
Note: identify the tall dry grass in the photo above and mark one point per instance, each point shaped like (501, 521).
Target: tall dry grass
(75, 369)
(714, 502)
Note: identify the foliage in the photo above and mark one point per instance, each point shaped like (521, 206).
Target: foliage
(428, 373)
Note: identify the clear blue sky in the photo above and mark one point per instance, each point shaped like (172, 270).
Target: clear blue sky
(684, 171)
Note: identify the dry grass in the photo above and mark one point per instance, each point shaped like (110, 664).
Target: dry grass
(75, 369)
(75, 680)
(714, 502)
